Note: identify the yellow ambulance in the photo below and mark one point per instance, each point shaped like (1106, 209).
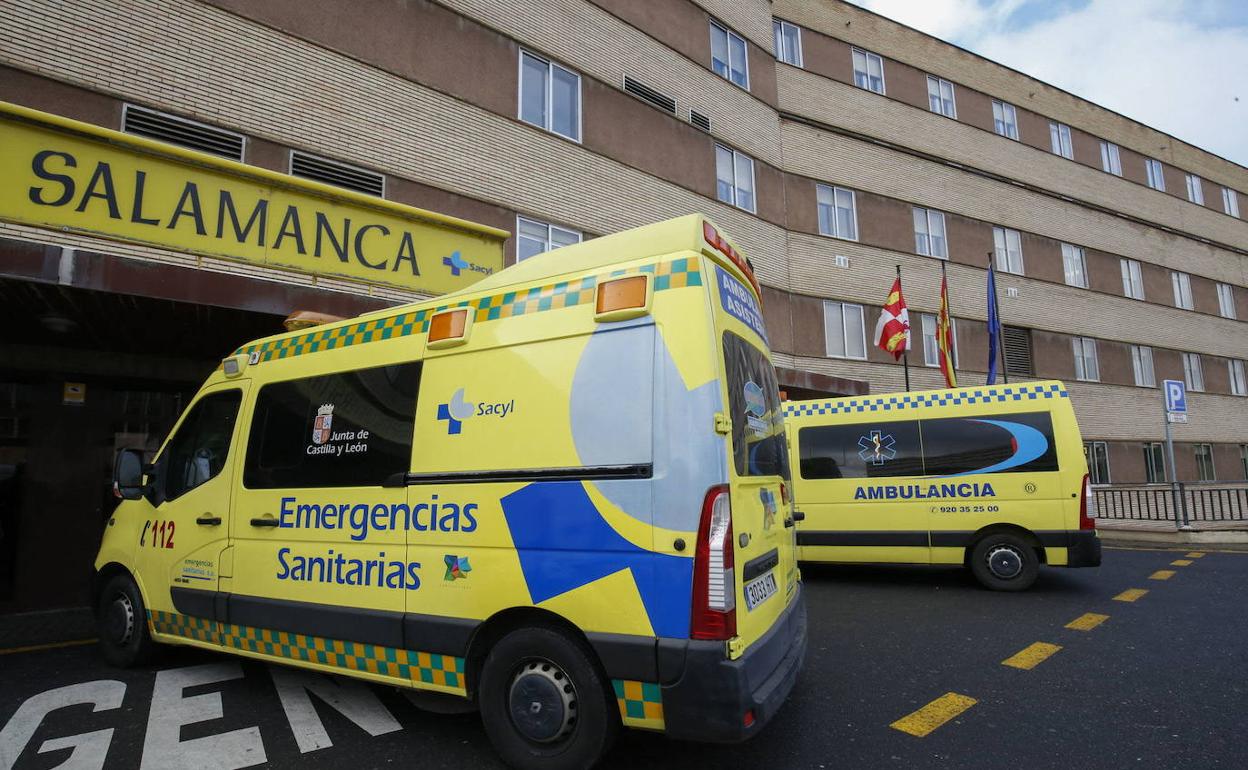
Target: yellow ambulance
(991, 477)
(560, 493)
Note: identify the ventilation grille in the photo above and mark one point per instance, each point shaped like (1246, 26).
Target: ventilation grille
(699, 120)
(338, 174)
(1017, 343)
(1011, 292)
(840, 260)
(649, 95)
(182, 132)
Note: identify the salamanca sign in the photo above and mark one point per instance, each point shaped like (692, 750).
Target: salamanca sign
(74, 176)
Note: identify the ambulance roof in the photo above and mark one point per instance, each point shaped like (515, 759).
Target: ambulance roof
(887, 402)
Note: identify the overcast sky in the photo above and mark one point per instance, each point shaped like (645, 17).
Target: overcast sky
(1180, 66)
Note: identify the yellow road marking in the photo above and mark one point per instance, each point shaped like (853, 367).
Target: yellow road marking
(1130, 595)
(52, 646)
(1162, 574)
(1087, 621)
(1195, 554)
(1181, 563)
(921, 723)
(1032, 656)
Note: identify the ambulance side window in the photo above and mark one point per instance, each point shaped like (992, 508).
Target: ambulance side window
(860, 451)
(953, 445)
(197, 452)
(346, 429)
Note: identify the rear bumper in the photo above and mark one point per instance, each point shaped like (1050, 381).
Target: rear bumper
(1083, 548)
(710, 699)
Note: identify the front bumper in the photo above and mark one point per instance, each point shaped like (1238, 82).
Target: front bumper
(713, 694)
(1083, 548)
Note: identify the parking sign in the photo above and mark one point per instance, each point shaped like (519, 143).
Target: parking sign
(1176, 396)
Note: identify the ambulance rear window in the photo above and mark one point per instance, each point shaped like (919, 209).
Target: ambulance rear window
(758, 445)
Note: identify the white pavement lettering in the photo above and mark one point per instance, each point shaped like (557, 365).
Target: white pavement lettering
(89, 749)
(353, 700)
(163, 748)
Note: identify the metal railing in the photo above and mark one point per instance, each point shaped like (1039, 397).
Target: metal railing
(1182, 503)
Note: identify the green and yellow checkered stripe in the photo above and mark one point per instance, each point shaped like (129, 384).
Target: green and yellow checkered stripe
(641, 703)
(434, 671)
(669, 274)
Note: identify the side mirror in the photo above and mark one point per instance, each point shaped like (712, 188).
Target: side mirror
(128, 474)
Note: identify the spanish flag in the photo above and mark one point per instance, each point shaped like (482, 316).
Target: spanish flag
(892, 333)
(944, 335)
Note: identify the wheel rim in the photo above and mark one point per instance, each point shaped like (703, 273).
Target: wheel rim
(542, 701)
(1005, 561)
(119, 620)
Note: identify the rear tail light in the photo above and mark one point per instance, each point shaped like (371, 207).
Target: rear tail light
(1087, 506)
(714, 582)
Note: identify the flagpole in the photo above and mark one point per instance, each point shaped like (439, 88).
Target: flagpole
(949, 309)
(996, 301)
(905, 361)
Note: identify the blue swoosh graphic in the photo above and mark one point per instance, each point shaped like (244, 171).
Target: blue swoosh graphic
(1031, 444)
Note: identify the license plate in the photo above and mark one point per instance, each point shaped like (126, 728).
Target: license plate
(760, 590)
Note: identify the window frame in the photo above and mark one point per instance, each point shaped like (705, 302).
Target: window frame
(1154, 451)
(1080, 347)
(1195, 190)
(550, 241)
(854, 52)
(1090, 454)
(777, 28)
(1111, 158)
(1132, 275)
(728, 37)
(1181, 283)
(1144, 378)
(1060, 140)
(1193, 372)
(159, 494)
(827, 347)
(1207, 456)
(1226, 301)
(928, 216)
(548, 95)
(1011, 127)
(1069, 250)
(939, 96)
(834, 190)
(1235, 370)
(736, 156)
(934, 361)
(1230, 202)
(1155, 173)
(1001, 254)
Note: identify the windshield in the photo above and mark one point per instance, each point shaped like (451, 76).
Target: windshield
(758, 446)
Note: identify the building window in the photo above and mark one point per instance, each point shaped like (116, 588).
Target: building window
(1243, 459)
(868, 71)
(1008, 245)
(1156, 179)
(940, 96)
(1182, 284)
(1086, 368)
(788, 42)
(1132, 278)
(1226, 300)
(843, 330)
(1075, 266)
(1235, 368)
(728, 56)
(550, 96)
(1204, 462)
(1097, 455)
(1059, 140)
(734, 175)
(1193, 372)
(1142, 364)
(1004, 119)
(837, 215)
(931, 352)
(1016, 344)
(1154, 463)
(929, 233)
(1110, 162)
(1195, 191)
(535, 237)
(1230, 202)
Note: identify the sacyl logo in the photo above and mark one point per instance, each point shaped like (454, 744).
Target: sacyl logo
(459, 409)
(457, 264)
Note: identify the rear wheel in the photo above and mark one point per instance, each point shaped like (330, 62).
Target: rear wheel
(544, 703)
(124, 637)
(1004, 562)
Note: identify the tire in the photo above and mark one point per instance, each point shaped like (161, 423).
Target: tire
(544, 703)
(122, 619)
(1004, 562)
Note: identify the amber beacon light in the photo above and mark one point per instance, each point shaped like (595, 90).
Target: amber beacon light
(622, 298)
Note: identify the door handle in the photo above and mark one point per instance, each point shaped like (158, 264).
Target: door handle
(264, 521)
(208, 520)
(799, 516)
(789, 522)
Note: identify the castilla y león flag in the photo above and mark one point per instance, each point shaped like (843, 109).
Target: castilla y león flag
(892, 333)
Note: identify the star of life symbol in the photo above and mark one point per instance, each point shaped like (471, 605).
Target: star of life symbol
(877, 448)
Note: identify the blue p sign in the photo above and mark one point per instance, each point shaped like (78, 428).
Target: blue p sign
(1176, 396)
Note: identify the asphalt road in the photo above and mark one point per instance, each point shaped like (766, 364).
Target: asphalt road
(1161, 682)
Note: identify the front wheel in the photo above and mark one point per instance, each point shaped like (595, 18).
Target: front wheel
(124, 637)
(544, 703)
(1004, 562)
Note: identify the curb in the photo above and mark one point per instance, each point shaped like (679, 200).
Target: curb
(1231, 539)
